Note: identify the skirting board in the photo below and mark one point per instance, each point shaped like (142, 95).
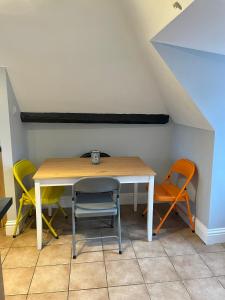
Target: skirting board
(9, 227)
(208, 236)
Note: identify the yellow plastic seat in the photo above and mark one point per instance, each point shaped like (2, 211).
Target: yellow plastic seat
(22, 170)
(170, 192)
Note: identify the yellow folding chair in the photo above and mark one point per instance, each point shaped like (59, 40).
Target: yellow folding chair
(170, 192)
(22, 170)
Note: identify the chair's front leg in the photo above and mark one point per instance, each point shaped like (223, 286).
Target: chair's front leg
(165, 217)
(74, 228)
(135, 196)
(119, 226)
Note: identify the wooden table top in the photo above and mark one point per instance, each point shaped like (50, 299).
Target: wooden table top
(82, 167)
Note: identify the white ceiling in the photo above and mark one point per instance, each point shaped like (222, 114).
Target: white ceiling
(95, 56)
(147, 19)
(75, 56)
(200, 27)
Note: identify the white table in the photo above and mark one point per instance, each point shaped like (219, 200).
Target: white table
(67, 171)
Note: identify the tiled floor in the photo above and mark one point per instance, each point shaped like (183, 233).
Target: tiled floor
(176, 265)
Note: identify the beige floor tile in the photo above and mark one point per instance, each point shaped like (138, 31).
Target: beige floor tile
(50, 279)
(113, 232)
(17, 297)
(86, 257)
(48, 296)
(112, 244)
(92, 294)
(222, 280)
(5, 241)
(130, 292)
(21, 257)
(168, 291)
(89, 245)
(17, 281)
(137, 232)
(205, 289)
(148, 249)
(158, 269)
(175, 244)
(123, 272)
(48, 239)
(190, 266)
(87, 276)
(25, 239)
(216, 262)
(3, 253)
(186, 232)
(55, 255)
(113, 254)
(200, 247)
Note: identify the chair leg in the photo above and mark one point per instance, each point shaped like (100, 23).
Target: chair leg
(18, 219)
(145, 212)
(54, 233)
(62, 210)
(119, 229)
(112, 222)
(53, 216)
(190, 215)
(165, 217)
(74, 231)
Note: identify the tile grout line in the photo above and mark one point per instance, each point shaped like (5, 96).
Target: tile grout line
(5, 256)
(141, 271)
(169, 257)
(104, 261)
(39, 252)
(205, 263)
(70, 267)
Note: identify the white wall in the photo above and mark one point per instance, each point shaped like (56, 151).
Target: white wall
(196, 145)
(203, 75)
(75, 56)
(200, 26)
(147, 18)
(150, 142)
(12, 141)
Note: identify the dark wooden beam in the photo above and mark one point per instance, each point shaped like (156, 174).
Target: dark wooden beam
(94, 118)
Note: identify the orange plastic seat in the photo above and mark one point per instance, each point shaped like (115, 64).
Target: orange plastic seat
(168, 191)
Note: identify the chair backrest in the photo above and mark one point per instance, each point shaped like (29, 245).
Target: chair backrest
(21, 169)
(97, 185)
(88, 154)
(184, 167)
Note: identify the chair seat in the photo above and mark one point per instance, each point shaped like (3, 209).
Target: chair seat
(95, 205)
(50, 195)
(167, 192)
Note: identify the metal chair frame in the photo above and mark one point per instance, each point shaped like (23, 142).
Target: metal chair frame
(117, 202)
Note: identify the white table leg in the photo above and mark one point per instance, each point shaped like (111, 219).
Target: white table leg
(150, 207)
(38, 215)
(135, 196)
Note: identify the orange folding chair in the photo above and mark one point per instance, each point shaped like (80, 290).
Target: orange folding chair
(170, 192)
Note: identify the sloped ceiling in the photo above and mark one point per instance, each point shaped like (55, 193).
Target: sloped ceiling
(75, 56)
(199, 27)
(94, 56)
(147, 19)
